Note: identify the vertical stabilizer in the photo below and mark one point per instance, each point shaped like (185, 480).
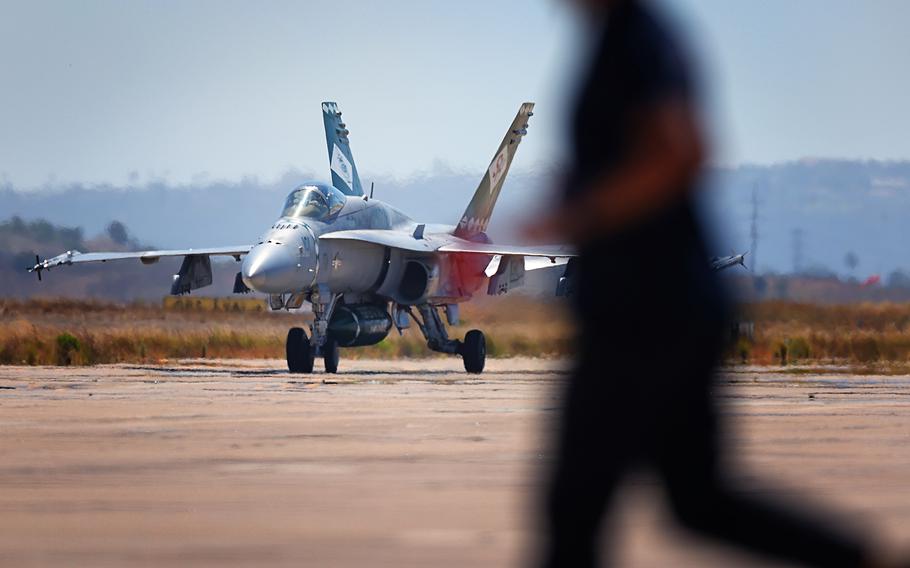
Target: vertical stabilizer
(341, 161)
(477, 216)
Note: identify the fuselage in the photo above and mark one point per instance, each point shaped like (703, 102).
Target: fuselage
(291, 257)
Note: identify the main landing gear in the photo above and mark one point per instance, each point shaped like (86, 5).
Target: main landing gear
(302, 351)
(473, 349)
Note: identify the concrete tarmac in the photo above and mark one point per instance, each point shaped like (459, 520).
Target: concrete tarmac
(390, 463)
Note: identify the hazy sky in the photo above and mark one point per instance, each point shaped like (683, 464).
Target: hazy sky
(113, 91)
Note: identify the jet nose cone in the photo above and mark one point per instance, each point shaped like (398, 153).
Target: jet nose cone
(269, 269)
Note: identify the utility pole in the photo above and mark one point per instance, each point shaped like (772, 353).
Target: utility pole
(797, 251)
(753, 232)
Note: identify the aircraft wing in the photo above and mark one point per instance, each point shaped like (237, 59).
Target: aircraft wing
(146, 256)
(390, 238)
(195, 272)
(420, 242)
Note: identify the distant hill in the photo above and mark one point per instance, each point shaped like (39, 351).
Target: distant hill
(237, 212)
(21, 240)
(839, 206)
(813, 215)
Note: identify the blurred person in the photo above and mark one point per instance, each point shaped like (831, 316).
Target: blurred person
(640, 395)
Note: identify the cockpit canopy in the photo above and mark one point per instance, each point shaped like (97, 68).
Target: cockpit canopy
(314, 201)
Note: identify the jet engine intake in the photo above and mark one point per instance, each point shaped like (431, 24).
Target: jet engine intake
(418, 280)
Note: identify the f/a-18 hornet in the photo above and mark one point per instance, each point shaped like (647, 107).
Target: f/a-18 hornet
(363, 265)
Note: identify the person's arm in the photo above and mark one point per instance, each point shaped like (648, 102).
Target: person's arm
(666, 156)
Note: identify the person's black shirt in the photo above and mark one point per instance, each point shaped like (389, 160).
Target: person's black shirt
(637, 65)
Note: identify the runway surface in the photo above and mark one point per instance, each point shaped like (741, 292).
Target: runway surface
(414, 463)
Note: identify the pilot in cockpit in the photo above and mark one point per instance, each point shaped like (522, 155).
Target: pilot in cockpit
(313, 202)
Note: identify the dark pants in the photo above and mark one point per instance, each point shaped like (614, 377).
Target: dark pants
(641, 394)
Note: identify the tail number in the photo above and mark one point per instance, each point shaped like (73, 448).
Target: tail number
(498, 168)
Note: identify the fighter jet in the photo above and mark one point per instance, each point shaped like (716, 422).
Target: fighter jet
(719, 263)
(363, 265)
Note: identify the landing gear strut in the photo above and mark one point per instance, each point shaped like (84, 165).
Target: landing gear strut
(473, 350)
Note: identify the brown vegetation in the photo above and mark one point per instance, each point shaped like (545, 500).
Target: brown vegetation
(68, 332)
(787, 332)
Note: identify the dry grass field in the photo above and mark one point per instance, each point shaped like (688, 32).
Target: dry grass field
(71, 332)
(870, 335)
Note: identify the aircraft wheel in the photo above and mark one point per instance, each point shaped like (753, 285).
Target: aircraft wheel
(474, 351)
(299, 353)
(331, 355)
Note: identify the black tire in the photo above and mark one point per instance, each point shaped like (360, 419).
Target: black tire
(474, 351)
(331, 355)
(298, 351)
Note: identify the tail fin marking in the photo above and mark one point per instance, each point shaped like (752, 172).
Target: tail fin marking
(341, 161)
(476, 217)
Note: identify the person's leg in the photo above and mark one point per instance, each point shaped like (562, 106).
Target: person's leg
(588, 467)
(702, 500)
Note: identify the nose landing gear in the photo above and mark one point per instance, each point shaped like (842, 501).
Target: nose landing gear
(302, 351)
(300, 354)
(331, 354)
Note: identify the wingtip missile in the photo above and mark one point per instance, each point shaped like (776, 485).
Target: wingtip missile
(720, 263)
